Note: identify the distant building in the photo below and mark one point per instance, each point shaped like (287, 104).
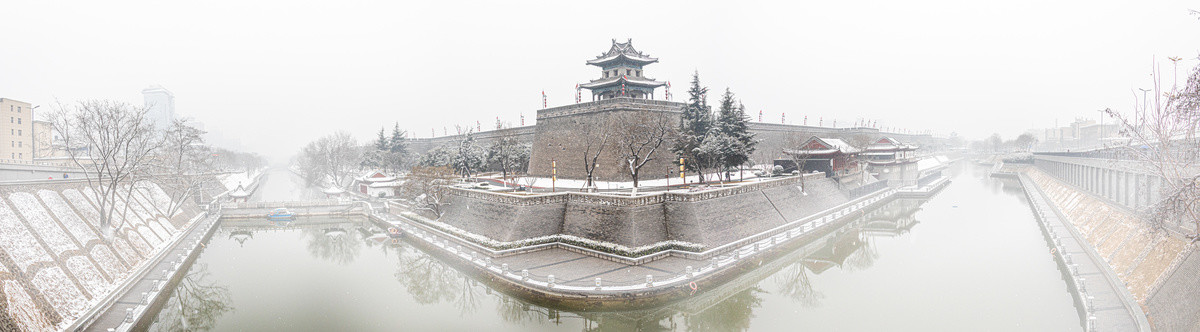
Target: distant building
(1082, 134)
(832, 156)
(44, 140)
(161, 104)
(17, 131)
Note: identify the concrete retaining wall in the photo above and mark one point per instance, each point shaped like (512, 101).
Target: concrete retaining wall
(1153, 265)
(55, 258)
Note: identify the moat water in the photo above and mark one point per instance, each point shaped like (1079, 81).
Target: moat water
(970, 258)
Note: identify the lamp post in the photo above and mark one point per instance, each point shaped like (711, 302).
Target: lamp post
(553, 175)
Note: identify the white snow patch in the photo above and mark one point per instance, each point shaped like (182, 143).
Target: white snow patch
(139, 243)
(40, 220)
(108, 262)
(126, 251)
(56, 287)
(148, 235)
(88, 276)
(18, 241)
(22, 309)
(67, 216)
(231, 181)
(90, 215)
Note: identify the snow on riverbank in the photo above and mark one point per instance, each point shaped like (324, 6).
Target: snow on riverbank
(53, 237)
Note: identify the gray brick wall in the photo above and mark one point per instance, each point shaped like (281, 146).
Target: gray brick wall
(710, 220)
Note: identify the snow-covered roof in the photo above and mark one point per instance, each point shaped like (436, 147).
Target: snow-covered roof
(239, 192)
(385, 184)
(375, 176)
(817, 145)
(332, 190)
(622, 50)
(889, 144)
(635, 81)
(931, 163)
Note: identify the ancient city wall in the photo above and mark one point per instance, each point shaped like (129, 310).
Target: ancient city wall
(1154, 265)
(523, 134)
(704, 217)
(505, 217)
(55, 262)
(564, 133)
(719, 220)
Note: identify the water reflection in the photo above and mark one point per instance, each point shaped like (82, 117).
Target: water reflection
(195, 304)
(333, 244)
(429, 281)
(732, 314)
(730, 307)
(395, 285)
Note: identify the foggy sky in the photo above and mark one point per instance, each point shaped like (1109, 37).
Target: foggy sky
(269, 76)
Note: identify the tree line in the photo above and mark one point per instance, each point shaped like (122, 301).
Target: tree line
(117, 147)
(336, 158)
(718, 142)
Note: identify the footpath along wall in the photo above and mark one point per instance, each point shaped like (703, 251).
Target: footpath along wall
(55, 263)
(701, 217)
(1159, 268)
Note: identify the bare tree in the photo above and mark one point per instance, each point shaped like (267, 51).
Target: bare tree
(509, 155)
(640, 135)
(113, 144)
(595, 137)
(425, 188)
(469, 156)
(184, 162)
(331, 158)
(795, 143)
(1163, 136)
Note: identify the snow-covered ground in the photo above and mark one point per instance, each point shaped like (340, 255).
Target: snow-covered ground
(232, 180)
(43, 232)
(646, 181)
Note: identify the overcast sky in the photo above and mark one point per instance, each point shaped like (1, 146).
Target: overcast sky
(269, 76)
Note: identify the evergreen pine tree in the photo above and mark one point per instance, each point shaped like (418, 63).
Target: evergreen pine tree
(732, 123)
(694, 126)
(381, 143)
(398, 143)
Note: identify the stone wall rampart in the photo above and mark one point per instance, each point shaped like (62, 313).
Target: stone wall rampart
(701, 217)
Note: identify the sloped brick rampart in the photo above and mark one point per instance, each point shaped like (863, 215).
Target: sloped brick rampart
(712, 218)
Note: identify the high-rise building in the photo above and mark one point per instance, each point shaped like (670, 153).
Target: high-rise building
(17, 131)
(161, 104)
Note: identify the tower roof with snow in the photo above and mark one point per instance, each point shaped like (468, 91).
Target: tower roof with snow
(622, 51)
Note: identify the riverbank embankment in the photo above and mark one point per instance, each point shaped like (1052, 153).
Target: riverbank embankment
(1152, 266)
(58, 264)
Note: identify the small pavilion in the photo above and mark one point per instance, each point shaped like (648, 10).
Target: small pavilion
(240, 194)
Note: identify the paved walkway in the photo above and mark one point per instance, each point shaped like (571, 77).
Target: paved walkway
(1104, 302)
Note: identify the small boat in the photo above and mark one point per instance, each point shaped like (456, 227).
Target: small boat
(280, 214)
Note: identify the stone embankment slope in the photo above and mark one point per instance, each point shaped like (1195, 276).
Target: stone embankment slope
(1144, 260)
(55, 260)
